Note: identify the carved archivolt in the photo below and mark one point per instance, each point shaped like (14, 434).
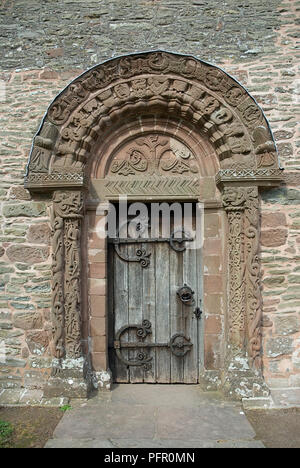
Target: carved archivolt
(154, 82)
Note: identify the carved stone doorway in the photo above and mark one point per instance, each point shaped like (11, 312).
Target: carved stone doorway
(220, 152)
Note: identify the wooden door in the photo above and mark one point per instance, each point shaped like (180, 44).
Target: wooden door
(154, 337)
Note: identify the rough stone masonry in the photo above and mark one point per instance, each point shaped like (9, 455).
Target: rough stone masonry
(43, 46)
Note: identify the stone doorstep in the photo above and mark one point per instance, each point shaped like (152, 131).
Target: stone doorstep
(278, 399)
(23, 397)
(257, 403)
(285, 397)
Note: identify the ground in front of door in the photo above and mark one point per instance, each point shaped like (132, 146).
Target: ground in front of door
(155, 416)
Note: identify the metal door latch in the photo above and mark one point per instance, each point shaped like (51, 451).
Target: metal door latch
(179, 345)
(198, 313)
(186, 295)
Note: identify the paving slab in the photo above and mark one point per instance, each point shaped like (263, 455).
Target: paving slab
(155, 416)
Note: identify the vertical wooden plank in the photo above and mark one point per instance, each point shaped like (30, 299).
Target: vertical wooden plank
(162, 333)
(135, 309)
(190, 277)
(149, 308)
(110, 309)
(121, 310)
(176, 311)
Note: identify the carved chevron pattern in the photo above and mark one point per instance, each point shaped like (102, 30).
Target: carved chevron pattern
(170, 186)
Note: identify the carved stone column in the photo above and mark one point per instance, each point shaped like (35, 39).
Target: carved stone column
(66, 294)
(68, 372)
(243, 376)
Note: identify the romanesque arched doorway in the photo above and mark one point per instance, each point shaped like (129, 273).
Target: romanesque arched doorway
(171, 128)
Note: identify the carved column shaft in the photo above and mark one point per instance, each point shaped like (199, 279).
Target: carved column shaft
(245, 302)
(66, 292)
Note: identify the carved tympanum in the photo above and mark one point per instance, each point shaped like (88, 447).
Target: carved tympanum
(153, 155)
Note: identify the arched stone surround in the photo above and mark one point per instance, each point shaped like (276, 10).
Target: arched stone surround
(166, 94)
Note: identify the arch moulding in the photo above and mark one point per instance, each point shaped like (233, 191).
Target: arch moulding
(182, 96)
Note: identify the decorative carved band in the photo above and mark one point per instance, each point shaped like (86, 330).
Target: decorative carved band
(230, 175)
(38, 181)
(160, 186)
(66, 297)
(245, 302)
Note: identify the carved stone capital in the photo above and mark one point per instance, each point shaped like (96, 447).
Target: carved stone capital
(234, 198)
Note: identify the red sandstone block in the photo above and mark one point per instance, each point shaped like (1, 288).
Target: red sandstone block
(274, 237)
(213, 304)
(97, 270)
(95, 241)
(212, 352)
(273, 220)
(212, 284)
(99, 344)
(99, 361)
(98, 306)
(96, 255)
(97, 326)
(212, 264)
(213, 325)
(212, 246)
(212, 225)
(97, 286)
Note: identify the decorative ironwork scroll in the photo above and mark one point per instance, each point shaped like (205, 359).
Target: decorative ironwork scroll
(179, 345)
(141, 255)
(66, 296)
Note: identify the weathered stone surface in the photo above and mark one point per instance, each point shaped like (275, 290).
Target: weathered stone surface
(199, 27)
(5, 268)
(273, 280)
(39, 234)
(287, 324)
(282, 196)
(274, 237)
(40, 362)
(6, 325)
(34, 379)
(27, 320)
(20, 193)
(273, 220)
(33, 209)
(72, 388)
(13, 362)
(27, 254)
(37, 342)
(279, 346)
